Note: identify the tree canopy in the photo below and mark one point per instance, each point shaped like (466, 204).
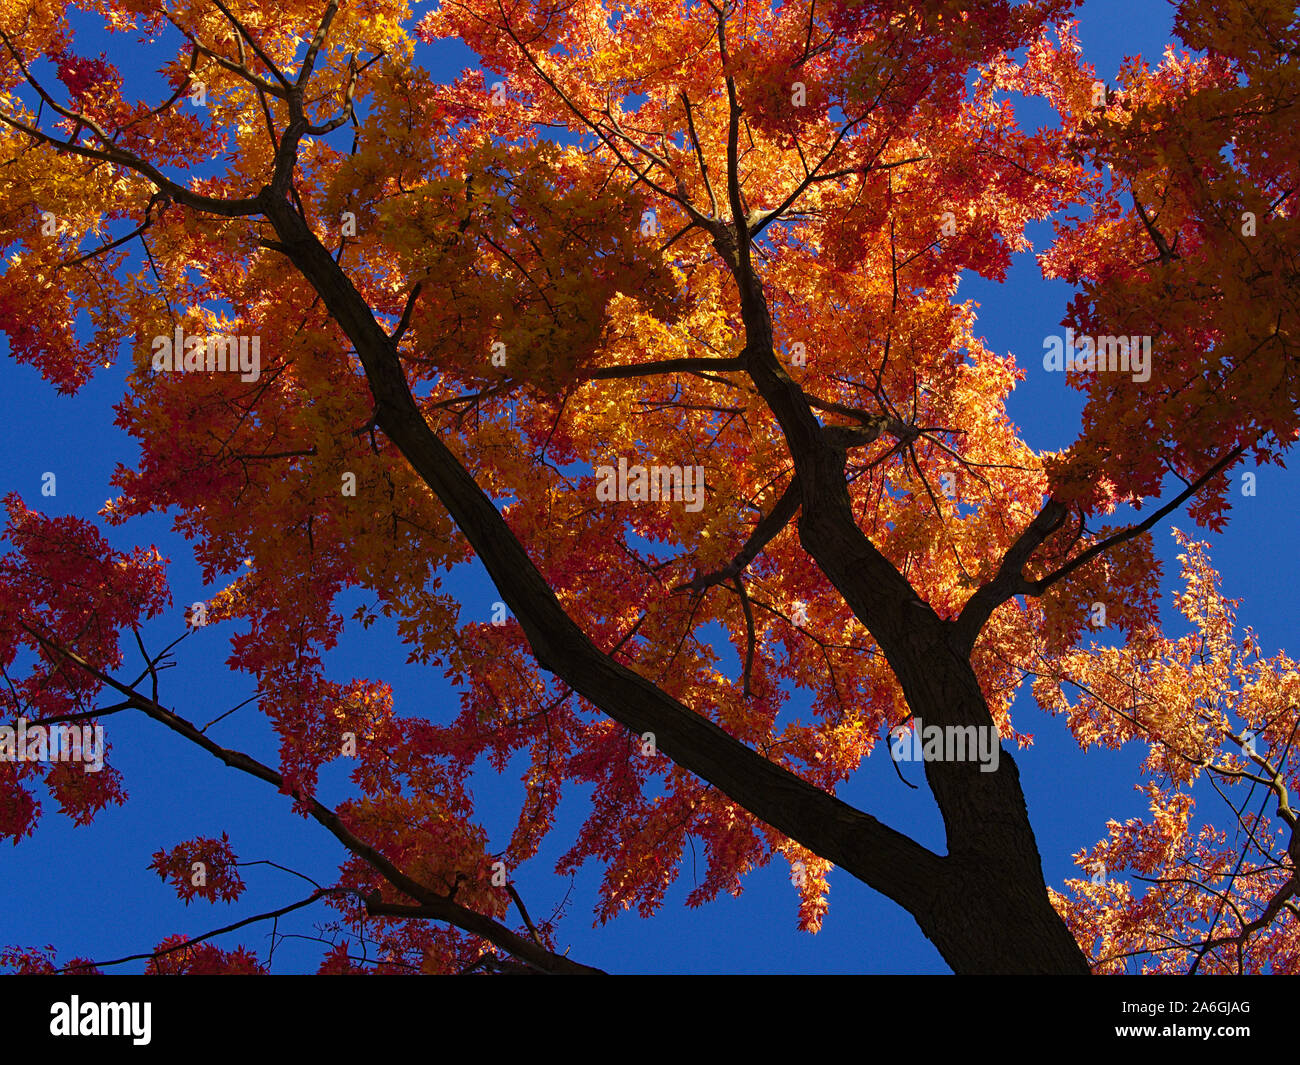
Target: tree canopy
(659, 325)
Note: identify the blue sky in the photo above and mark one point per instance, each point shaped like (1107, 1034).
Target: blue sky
(89, 892)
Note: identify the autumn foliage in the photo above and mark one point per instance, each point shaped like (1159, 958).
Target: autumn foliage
(726, 237)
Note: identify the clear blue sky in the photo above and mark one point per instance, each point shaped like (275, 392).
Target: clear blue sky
(89, 892)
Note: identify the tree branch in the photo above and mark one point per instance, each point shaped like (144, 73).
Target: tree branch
(881, 857)
(155, 954)
(767, 528)
(432, 904)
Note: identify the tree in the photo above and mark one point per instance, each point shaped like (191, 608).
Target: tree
(660, 327)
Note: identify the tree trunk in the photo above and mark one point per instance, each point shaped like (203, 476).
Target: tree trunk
(985, 905)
